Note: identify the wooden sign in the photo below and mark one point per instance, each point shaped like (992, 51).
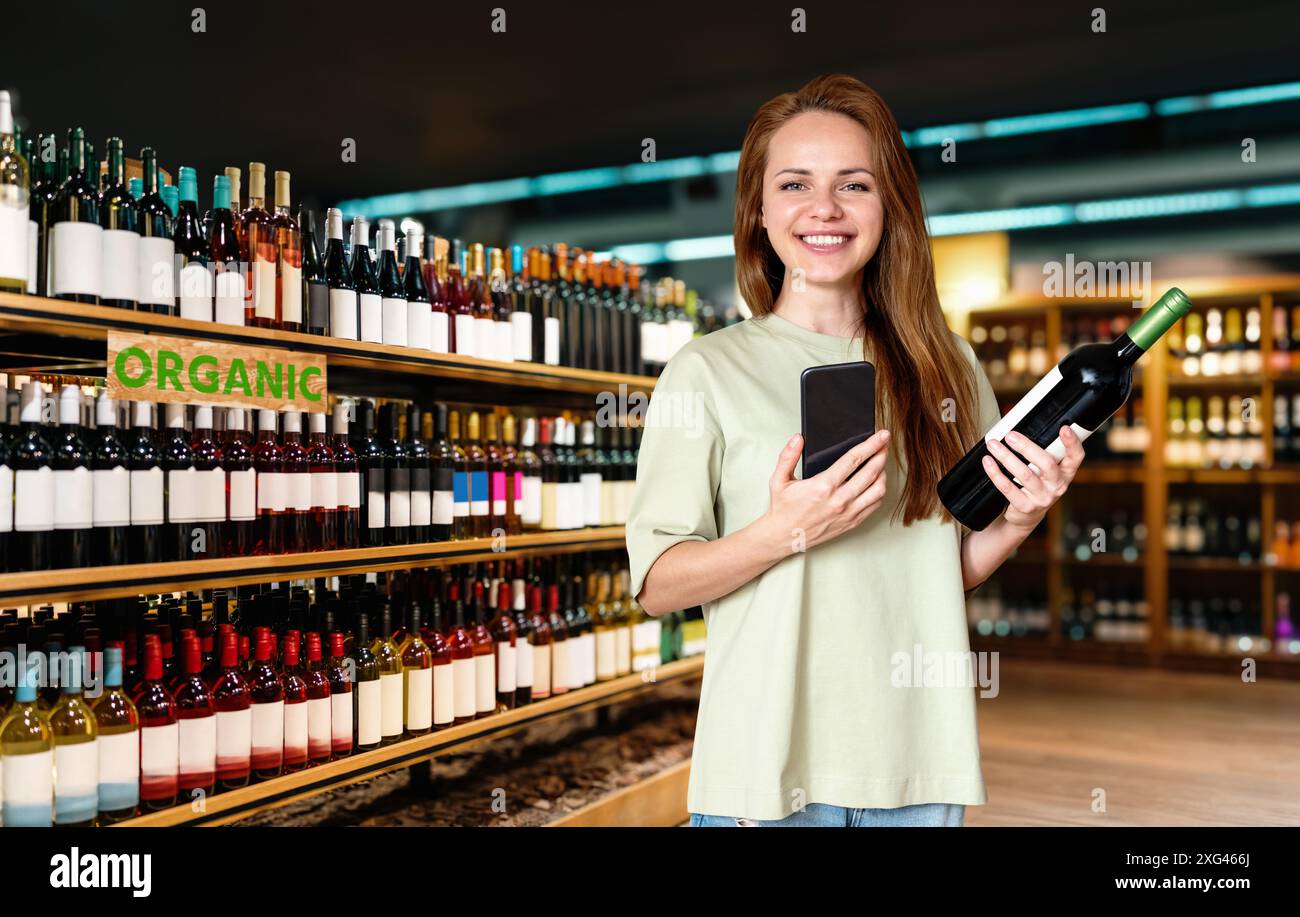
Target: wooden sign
(155, 367)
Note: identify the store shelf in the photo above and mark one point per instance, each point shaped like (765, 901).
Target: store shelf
(85, 583)
(42, 317)
(232, 805)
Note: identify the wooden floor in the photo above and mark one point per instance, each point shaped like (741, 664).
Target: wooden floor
(1167, 748)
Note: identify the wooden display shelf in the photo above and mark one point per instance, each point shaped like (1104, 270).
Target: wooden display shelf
(655, 802)
(232, 805)
(37, 315)
(86, 583)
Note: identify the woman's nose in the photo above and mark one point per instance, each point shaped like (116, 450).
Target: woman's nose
(825, 207)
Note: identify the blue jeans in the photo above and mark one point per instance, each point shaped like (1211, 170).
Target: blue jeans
(820, 815)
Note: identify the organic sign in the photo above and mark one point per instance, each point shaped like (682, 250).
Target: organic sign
(155, 367)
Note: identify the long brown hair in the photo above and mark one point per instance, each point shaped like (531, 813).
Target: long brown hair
(919, 363)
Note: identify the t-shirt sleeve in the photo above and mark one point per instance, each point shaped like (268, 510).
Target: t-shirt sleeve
(989, 412)
(678, 467)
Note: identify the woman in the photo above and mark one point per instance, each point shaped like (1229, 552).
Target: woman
(819, 593)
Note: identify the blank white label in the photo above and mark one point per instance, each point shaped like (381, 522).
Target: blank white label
(521, 333)
(505, 346)
(341, 718)
(463, 693)
(441, 510)
(324, 490)
(349, 483)
(76, 770)
(243, 495)
(211, 488)
(6, 499)
(157, 283)
(295, 727)
(271, 491)
(318, 723)
(438, 333)
(372, 318)
(13, 235)
(300, 491)
(444, 687)
(523, 665)
(465, 335)
(229, 305)
(505, 666)
(551, 341)
(390, 690)
(268, 727)
(121, 265)
(399, 508)
(290, 293)
(394, 321)
(531, 510)
(419, 698)
(159, 750)
(119, 757)
(29, 781)
(182, 495)
(198, 745)
(485, 339)
(234, 735)
(73, 500)
(34, 500)
(485, 682)
(77, 259)
(369, 712)
(421, 507)
(196, 292)
(263, 280)
(590, 484)
(542, 668)
(147, 496)
(343, 314)
(419, 318)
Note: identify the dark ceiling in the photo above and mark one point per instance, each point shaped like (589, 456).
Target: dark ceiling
(433, 97)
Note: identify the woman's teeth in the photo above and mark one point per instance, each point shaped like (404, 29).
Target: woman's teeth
(825, 240)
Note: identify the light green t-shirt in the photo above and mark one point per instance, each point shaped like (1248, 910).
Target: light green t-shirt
(806, 694)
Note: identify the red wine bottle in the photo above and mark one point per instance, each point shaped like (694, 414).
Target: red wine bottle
(371, 459)
(1082, 392)
(267, 694)
(341, 701)
(288, 268)
(73, 501)
(33, 493)
(157, 250)
(111, 488)
(392, 294)
(299, 514)
(198, 724)
(268, 459)
(159, 733)
(442, 469)
(295, 705)
(444, 681)
(224, 255)
(366, 283)
(345, 315)
(421, 479)
(180, 486)
(209, 484)
(316, 291)
(231, 700)
(147, 504)
(419, 312)
(347, 473)
(319, 714)
(504, 639)
(397, 477)
(367, 697)
(194, 280)
(322, 524)
(241, 486)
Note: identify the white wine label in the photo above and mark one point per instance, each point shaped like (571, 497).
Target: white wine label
(119, 770)
(272, 491)
(198, 740)
(399, 508)
(390, 690)
(267, 727)
(606, 646)
(349, 484)
(295, 727)
(444, 691)
(243, 495)
(376, 514)
(262, 279)
(645, 636)
(521, 333)
(541, 668)
(372, 318)
(341, 718)
(1022, 409)
(551, 341)
(159, 750)
(76, 781)
(607, 491)
(463, 692)
(234, 735)
(343, 314)
(441, 510)
(182, 495)
(419, 698)
(590, 484)
(121, 265)
(439, 338)
(157, 284)
(34, 500)
(421, 507)
(147, 496)
(196, 292)
(523, 666)
(290, 293)
(77, 259)
(530, 510)
(370, 712)
(6, 499)
(73, 500)
(505, 666)
(319, 725)
(393, 329)
(33, 234)
(505, 344)
(324, 490)
(550, 510)
(485, 339)
(485, 683)
(300, 491)
(211, 489)
(13, 237)
(465, 336)
(561, 656)
(29, 789)
(229, 302)
(419, 321)
(622, 650)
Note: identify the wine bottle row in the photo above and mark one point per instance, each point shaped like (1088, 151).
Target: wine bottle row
(73, 229)
(1210, 622)
(161, 705)
(195, 483)
(1212, 527)
(1105, 614)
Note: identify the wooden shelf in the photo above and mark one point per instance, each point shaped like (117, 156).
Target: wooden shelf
(85, 583)
(232, 805)
(43, 317)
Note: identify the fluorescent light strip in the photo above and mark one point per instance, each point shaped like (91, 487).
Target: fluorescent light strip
(512, 189)
(1011, 219)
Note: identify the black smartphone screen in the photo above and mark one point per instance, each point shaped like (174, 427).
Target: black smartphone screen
(839, 411)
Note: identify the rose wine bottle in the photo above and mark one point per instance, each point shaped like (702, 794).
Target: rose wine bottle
(389, 660)
(159, 733)
(257, 245)
(210, 483)
(540, 644)
(504, 639)
(231, 700)
(180, 486)
(268, 459)
(444, 682)
(322, 524)
(484, 657)
(198, 726)
(435, 279)
(296, 730)
(341, 702)
(523, 641)
(288, 265)
(319, 715)
(299, 515)
(267, 695)
(241, 486)
(73, 501)
(417, 678)
(1082, 392)
(118, 725)
(458, 298)
(348, 482)
(461, 645)
(367, 696)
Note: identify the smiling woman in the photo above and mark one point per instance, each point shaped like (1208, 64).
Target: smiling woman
(813, 589)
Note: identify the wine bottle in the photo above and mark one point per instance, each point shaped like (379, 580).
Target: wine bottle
(480, 301)
(520, 318)
(458, 298)
(417, 678)
(393, 310)
(321, 523)
(319, 719)
(272, 504)
(484, 651)
(523, 639)
(461, 526)
(316, 290)
(154, 222)
(110, 489)
(496, 470)
(479, 495)
(224, 255)
(297, 468)
(159, 733)
(295, 705)
(289, 266)
(435, 281)
(118, 727)
(461, 648)
(391, 686)
(121, 243)
(192, 249)
(590, 475)
(209, 487)
(76, 756)
(241, 487)
(345, 320)
(233, 704)
(347, 481)
(76, 238)
(44, 205)
(341, 701)
(504, 639)
(419, 314)
(267, 695)
(72, 485)
(540, 644)
(499, 295)
(421, 479)
(258, 247)
(529, 492)
(367, 694)
(27, 747)
(1082, 391)
(15, 191)
(442, 470)
(371, 463)
(197, 722)
(147, 483)
(6, 501)
(180, 493)
(366, 284)
(33, 492)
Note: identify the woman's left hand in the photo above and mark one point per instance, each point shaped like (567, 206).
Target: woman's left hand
(1028, 503)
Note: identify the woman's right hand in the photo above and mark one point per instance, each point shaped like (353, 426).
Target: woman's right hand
(831, 503)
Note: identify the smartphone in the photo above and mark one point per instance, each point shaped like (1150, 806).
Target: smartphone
(838, 408)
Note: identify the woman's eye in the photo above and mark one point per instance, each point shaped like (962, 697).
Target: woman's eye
(792, 186)
(856, 186)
